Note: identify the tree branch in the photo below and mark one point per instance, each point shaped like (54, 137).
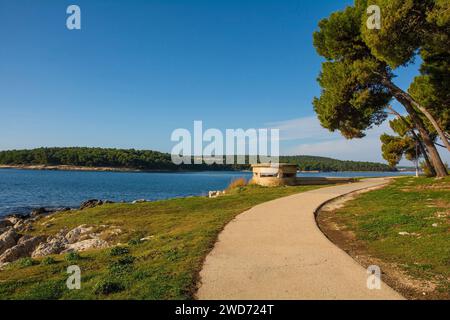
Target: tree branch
(402, 95)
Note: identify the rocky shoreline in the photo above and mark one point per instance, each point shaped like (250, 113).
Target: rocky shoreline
(16, 242)
(68, 168)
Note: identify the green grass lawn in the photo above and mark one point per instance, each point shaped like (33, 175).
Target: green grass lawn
(165, 267)
(418, 206)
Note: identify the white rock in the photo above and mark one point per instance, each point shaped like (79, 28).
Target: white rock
(76, 234)
(86, 245)
(147, 238)
(139, 201)
(215, 194)
(408, 234)
(22, 249)
(54, 245)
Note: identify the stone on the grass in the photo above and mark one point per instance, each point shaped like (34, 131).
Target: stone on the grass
(139, 201)
(79, 233)
(8, 240)
(404, 233)
(92, 203)
(86, 245)
(24, 248)
(53, 245)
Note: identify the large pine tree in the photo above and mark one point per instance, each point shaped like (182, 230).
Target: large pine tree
(357, 83)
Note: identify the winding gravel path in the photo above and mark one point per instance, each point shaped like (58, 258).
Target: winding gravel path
(276, 251)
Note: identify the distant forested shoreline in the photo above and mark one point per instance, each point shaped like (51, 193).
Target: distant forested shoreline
(148, 160)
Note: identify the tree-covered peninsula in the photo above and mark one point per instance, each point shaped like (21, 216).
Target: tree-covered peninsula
(147, 160)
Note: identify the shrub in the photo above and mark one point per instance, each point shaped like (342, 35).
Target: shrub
(115, 268)
(141, 275)
(237, 183)
(48, 290)
(126, 260)
(123, 265)
(107, 287)
(173, 254)
(134, 242)
(73, 256)
(48, 261)
(118, 251)
(25, 262)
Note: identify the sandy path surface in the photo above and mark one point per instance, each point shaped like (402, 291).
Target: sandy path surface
(276, 251)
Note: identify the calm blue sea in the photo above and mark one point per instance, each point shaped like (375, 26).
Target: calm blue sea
(23, 190)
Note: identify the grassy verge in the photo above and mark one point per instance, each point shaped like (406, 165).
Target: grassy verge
(181, 233)
(405, 228)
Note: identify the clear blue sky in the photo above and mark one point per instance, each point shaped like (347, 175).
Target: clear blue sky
(140, 69)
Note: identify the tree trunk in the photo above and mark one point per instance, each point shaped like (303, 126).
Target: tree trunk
(441, 170)
(427, 114)
(423, 150)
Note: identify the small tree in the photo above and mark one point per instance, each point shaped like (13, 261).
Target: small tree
(395, 148)
(407, 135)
(407, 144)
